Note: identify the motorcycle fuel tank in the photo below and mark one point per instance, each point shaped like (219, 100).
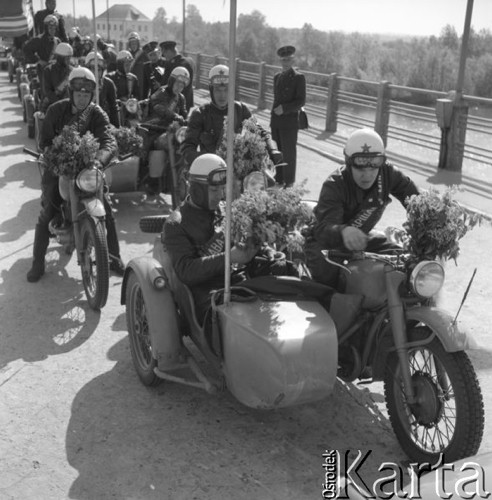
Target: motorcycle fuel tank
(278, 353)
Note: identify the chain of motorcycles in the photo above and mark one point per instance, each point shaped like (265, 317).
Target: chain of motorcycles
(269, 349)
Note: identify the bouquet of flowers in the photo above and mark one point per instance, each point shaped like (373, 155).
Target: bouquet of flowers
(128, 141)
(70, 153)
(249, 149)
(274, 217)
(435, 224)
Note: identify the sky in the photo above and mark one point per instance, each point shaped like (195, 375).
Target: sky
(405, 17)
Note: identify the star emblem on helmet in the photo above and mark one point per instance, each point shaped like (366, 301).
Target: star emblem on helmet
(366, 148)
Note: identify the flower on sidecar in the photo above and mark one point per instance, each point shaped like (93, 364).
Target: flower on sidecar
(270, 350)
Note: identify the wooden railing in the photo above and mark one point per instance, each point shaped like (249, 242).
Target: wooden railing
(403, 116)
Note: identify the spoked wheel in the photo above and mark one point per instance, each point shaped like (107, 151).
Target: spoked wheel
(139, 334)
(94, 262)
(448, 416)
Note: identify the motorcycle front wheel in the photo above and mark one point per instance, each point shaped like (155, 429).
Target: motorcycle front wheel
(448, 416)
(139, 334)
(94, 262)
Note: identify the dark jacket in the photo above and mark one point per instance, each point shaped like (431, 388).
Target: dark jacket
(141, 57)
(60, 114)
(342, 203)
(205, 126)
(39, 23)
(153, 76)
(107, 100)
(123, 83)
(166, 107)
(289, 90)
(180, 61)
(195, 243)
(40, 48)
(55, 83)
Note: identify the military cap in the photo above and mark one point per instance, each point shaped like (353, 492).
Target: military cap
(150, 47)
(286, 51)
(168, 44)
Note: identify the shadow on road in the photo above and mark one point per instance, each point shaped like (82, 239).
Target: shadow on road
(42, 319)
(174, 441)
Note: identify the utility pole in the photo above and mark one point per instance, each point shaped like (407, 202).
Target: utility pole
(184, 23)
(107, 17)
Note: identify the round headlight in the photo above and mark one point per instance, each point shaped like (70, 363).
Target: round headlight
(427, 278)
(180, 134)
(90, 180)
(132, 105)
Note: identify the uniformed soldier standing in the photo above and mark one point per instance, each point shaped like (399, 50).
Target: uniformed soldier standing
(289, 96)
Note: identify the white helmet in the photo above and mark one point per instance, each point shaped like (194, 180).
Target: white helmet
(93, 55)
(73, 33)
(365, 147)
(82, 79)
(181, 74)
(124, 55)
(50, 20)
(219, 75)
(64, 50)
(208, 168)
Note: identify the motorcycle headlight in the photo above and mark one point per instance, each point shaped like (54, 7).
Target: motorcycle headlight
(90, 180)
(131, 106)
(180, 134)
(427, 278)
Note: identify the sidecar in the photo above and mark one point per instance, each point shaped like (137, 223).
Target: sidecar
(269, 352)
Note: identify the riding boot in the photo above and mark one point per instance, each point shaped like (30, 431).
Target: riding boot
(41, 241)
(344, 309)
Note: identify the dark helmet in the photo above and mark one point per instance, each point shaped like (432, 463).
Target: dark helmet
(206, 170)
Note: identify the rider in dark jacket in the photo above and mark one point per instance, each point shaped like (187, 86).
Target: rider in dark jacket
(40, 16)
(206, 123)
(40, 49)
(127, 84)
(193, 234)
(107, 89)
(352, 201)
(55, 76)
(79, 112)
(173, 60)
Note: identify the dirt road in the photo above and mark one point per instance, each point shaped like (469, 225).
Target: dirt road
(76, 423)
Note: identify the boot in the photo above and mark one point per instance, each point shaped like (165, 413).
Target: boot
(344, 309)
(41, 241)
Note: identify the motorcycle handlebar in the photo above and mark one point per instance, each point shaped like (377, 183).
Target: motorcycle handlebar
(31, 152)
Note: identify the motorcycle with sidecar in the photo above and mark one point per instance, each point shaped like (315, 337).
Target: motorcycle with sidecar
(274, 345)
(80, 225)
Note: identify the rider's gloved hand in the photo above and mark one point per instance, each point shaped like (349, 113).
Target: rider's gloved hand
(276, 156)
(354, 239)
(242, 255)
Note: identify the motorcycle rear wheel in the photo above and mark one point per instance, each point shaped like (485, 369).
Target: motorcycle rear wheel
(94, 262)
(449, 415)
(139, 334)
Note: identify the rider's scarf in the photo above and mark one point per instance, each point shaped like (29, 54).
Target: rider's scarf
(216, 244)
(80, 121)
(371, 209)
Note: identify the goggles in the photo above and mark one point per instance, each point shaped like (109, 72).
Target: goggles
(373, 162)
(92, 67)
(216, 177)
(82, 86)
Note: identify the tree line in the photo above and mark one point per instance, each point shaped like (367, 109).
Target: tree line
(423, 62)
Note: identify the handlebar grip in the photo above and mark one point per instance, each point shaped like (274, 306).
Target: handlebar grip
(31, 152)
(338, 254)
(125, 156)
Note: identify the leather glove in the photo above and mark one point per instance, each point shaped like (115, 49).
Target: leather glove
(276, 156)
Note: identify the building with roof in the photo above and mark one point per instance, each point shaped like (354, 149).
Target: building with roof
(120, 20)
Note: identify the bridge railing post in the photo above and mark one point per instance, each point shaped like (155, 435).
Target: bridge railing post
(238, 79)
(453, 138)
(332, 103)
(383, 110)
(198, 70)
(262, 86)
